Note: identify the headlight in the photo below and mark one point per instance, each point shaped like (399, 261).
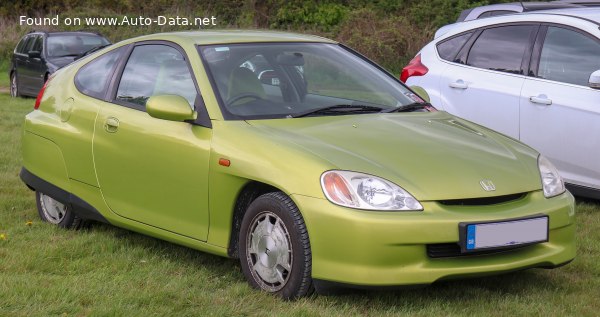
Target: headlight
(552, 183)
(362, 191)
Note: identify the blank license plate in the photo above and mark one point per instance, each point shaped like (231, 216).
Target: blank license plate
(506, 233)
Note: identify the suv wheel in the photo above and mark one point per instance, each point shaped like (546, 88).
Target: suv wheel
(274, 247)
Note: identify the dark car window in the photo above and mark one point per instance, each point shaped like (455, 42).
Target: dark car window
(449, 48)
(21, 46)
(75, 44)
(92, 79)
(29, 45)
(38, 44)
(501, 48)
(568, 56)
(156, 70)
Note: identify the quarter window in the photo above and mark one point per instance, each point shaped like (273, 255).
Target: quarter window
(155, 70)
(38, 44)
(92, 79)
(29, 44)
(501, 48)
(448, 49)
(21, 46)
(568, 56)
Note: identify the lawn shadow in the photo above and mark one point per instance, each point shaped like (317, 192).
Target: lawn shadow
(165, 249)
(469, 292)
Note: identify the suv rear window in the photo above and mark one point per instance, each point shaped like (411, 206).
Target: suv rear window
(448, 49)
(60, 45)
(501, 48)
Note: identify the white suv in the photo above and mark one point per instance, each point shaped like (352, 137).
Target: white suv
(531, 76)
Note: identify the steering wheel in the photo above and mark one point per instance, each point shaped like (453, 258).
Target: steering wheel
(239, 97)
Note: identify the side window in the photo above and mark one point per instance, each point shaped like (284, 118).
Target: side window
(568, 56)
(29, 44)
(38, 44)
(450, 47)
(155, 70)
(501, 48)
(21, 46)
(92, 79)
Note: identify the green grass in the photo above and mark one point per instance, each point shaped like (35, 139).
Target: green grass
(105, 270)
(4, 80)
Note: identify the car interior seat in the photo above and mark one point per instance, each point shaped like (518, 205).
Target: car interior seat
(243, 81)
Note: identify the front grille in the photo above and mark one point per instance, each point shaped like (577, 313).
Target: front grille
(449, 250)
(483, 200)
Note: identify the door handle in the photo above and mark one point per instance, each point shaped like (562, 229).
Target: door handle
(541, 100)
(111, 125)
(459, 84)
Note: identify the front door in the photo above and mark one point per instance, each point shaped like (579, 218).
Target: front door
(487, 89)
(560, 114)
(150, 170)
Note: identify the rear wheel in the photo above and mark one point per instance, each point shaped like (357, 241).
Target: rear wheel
(14, 88)
(274, 247)
(57, 213)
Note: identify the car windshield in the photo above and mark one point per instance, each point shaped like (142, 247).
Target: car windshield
(73, 44)
(277, 80)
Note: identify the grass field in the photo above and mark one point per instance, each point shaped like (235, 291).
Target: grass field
(104, 270)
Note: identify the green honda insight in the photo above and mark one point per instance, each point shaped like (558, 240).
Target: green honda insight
(294, 154)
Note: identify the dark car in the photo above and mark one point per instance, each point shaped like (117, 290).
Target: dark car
(39, 54)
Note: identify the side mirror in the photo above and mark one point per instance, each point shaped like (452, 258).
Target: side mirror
(421, 92)
(34, 54)
(170, 107)
(594, 81)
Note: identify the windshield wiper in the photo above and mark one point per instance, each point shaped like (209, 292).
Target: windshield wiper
(91, 50)
(67, 55)
(410, 107)
(338, 110)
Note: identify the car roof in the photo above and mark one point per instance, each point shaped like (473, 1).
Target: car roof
(517, 7)
(582, 2)
(64, 32)
(588, 14)
(203, 37)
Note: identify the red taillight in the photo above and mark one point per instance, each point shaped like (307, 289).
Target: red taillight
(38, 100)
(414, 68)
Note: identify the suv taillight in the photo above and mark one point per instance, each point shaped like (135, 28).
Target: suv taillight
(414, 68)
(38, 100)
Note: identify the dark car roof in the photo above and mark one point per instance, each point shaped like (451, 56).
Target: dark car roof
(50, 33)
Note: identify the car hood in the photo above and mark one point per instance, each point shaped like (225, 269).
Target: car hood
(434, 156)
(61, 61)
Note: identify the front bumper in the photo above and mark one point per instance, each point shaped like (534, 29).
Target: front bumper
(370, 248)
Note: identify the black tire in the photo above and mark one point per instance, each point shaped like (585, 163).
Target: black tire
(65, 218)
(14, 87)
(297, 281)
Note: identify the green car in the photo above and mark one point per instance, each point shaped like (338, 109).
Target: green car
(294, 154)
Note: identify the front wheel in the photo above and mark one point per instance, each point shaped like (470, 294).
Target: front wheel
(14, 88)
(274, 247)
(57, 213)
